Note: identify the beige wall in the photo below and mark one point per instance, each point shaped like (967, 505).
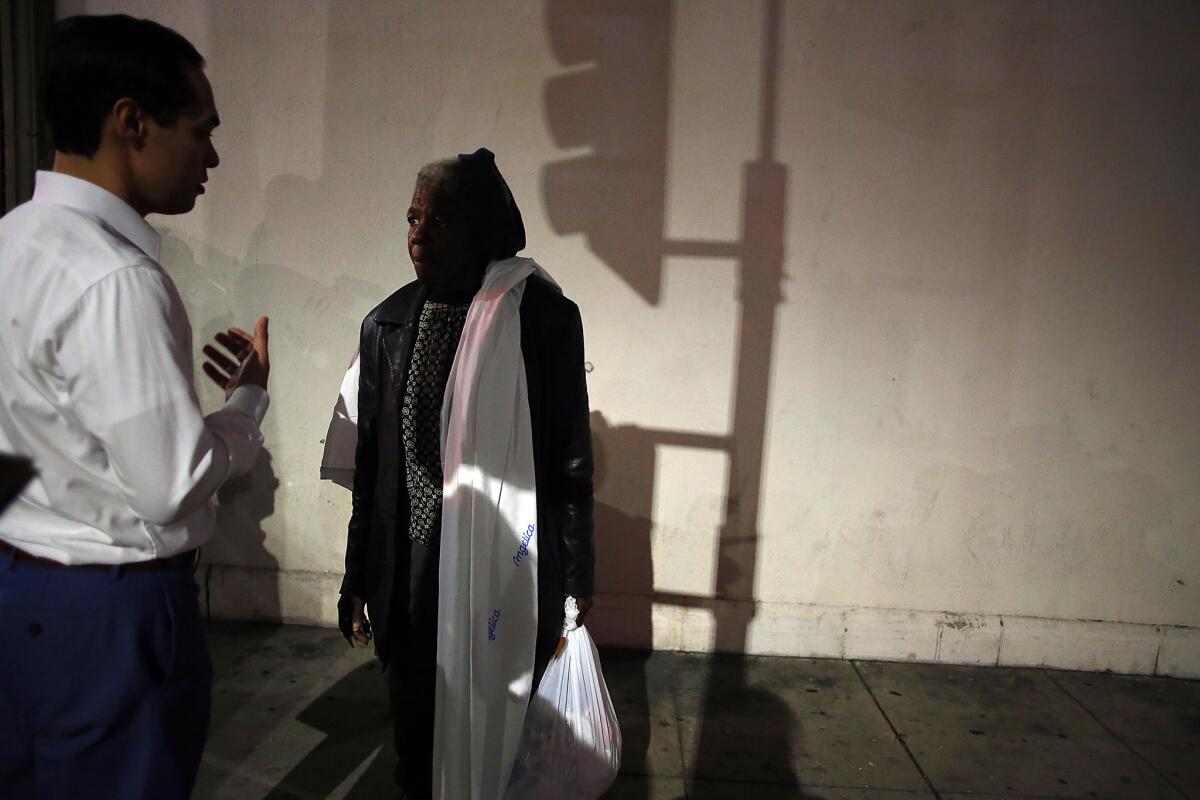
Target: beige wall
(896, 360)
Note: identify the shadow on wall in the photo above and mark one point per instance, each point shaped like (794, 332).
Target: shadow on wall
(317, 336)
(221, 291)
(616, 99)
(624, 480)
(243, 503)
(227, 291)
(296, 266)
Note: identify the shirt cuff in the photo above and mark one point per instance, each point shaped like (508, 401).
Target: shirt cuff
(251, 401)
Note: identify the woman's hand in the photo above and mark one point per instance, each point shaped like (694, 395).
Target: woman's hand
(584, 603)
(352, 620)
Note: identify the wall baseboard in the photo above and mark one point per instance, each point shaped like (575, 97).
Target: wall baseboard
(777, 629)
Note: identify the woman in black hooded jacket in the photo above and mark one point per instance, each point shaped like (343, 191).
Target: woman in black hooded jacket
(462, 218)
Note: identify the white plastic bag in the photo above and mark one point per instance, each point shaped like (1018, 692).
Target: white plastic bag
(571, 742)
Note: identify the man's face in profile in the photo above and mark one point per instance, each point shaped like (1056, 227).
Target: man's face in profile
(172, 164)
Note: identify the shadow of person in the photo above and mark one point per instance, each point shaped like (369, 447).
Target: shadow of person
(624, 484)
(243, 504)
(623, 481)
(353, 715)
(747, 733)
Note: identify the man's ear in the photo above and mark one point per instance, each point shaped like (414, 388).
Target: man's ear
(129, 122)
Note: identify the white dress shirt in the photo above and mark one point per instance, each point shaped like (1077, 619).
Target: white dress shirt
(96, 387)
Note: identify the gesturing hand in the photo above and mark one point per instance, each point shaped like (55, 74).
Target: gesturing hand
(250, 364)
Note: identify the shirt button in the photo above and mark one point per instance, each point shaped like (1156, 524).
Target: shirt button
(35, 628)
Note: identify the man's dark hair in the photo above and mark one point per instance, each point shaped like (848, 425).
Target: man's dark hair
(92, 62)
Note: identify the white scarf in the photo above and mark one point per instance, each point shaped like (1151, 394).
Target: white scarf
(337, 460)
(487, 601)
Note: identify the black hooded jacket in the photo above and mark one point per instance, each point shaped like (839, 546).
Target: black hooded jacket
(552, 349)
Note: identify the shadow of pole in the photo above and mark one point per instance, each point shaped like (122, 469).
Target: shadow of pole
(761, 250)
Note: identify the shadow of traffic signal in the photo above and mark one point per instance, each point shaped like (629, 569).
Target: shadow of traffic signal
(614, 102)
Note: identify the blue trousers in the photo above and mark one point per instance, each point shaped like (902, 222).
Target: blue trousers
(105, 682)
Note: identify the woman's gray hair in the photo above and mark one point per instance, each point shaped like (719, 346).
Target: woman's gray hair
(443, 174)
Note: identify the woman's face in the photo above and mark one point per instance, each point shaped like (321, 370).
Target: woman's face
(443, 248)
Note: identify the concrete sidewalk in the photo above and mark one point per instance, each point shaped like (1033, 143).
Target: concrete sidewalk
(298, 714)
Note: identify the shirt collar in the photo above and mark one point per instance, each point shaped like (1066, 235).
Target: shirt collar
(67, 190)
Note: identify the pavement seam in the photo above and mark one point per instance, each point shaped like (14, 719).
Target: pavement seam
(1114, 734)
(896, 733)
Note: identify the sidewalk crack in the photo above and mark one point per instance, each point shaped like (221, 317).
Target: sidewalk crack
(1114, 734)
(895, 732)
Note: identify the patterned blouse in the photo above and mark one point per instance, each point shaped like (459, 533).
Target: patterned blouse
(438, 331)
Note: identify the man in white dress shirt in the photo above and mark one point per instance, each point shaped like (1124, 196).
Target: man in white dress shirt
(104, 674)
